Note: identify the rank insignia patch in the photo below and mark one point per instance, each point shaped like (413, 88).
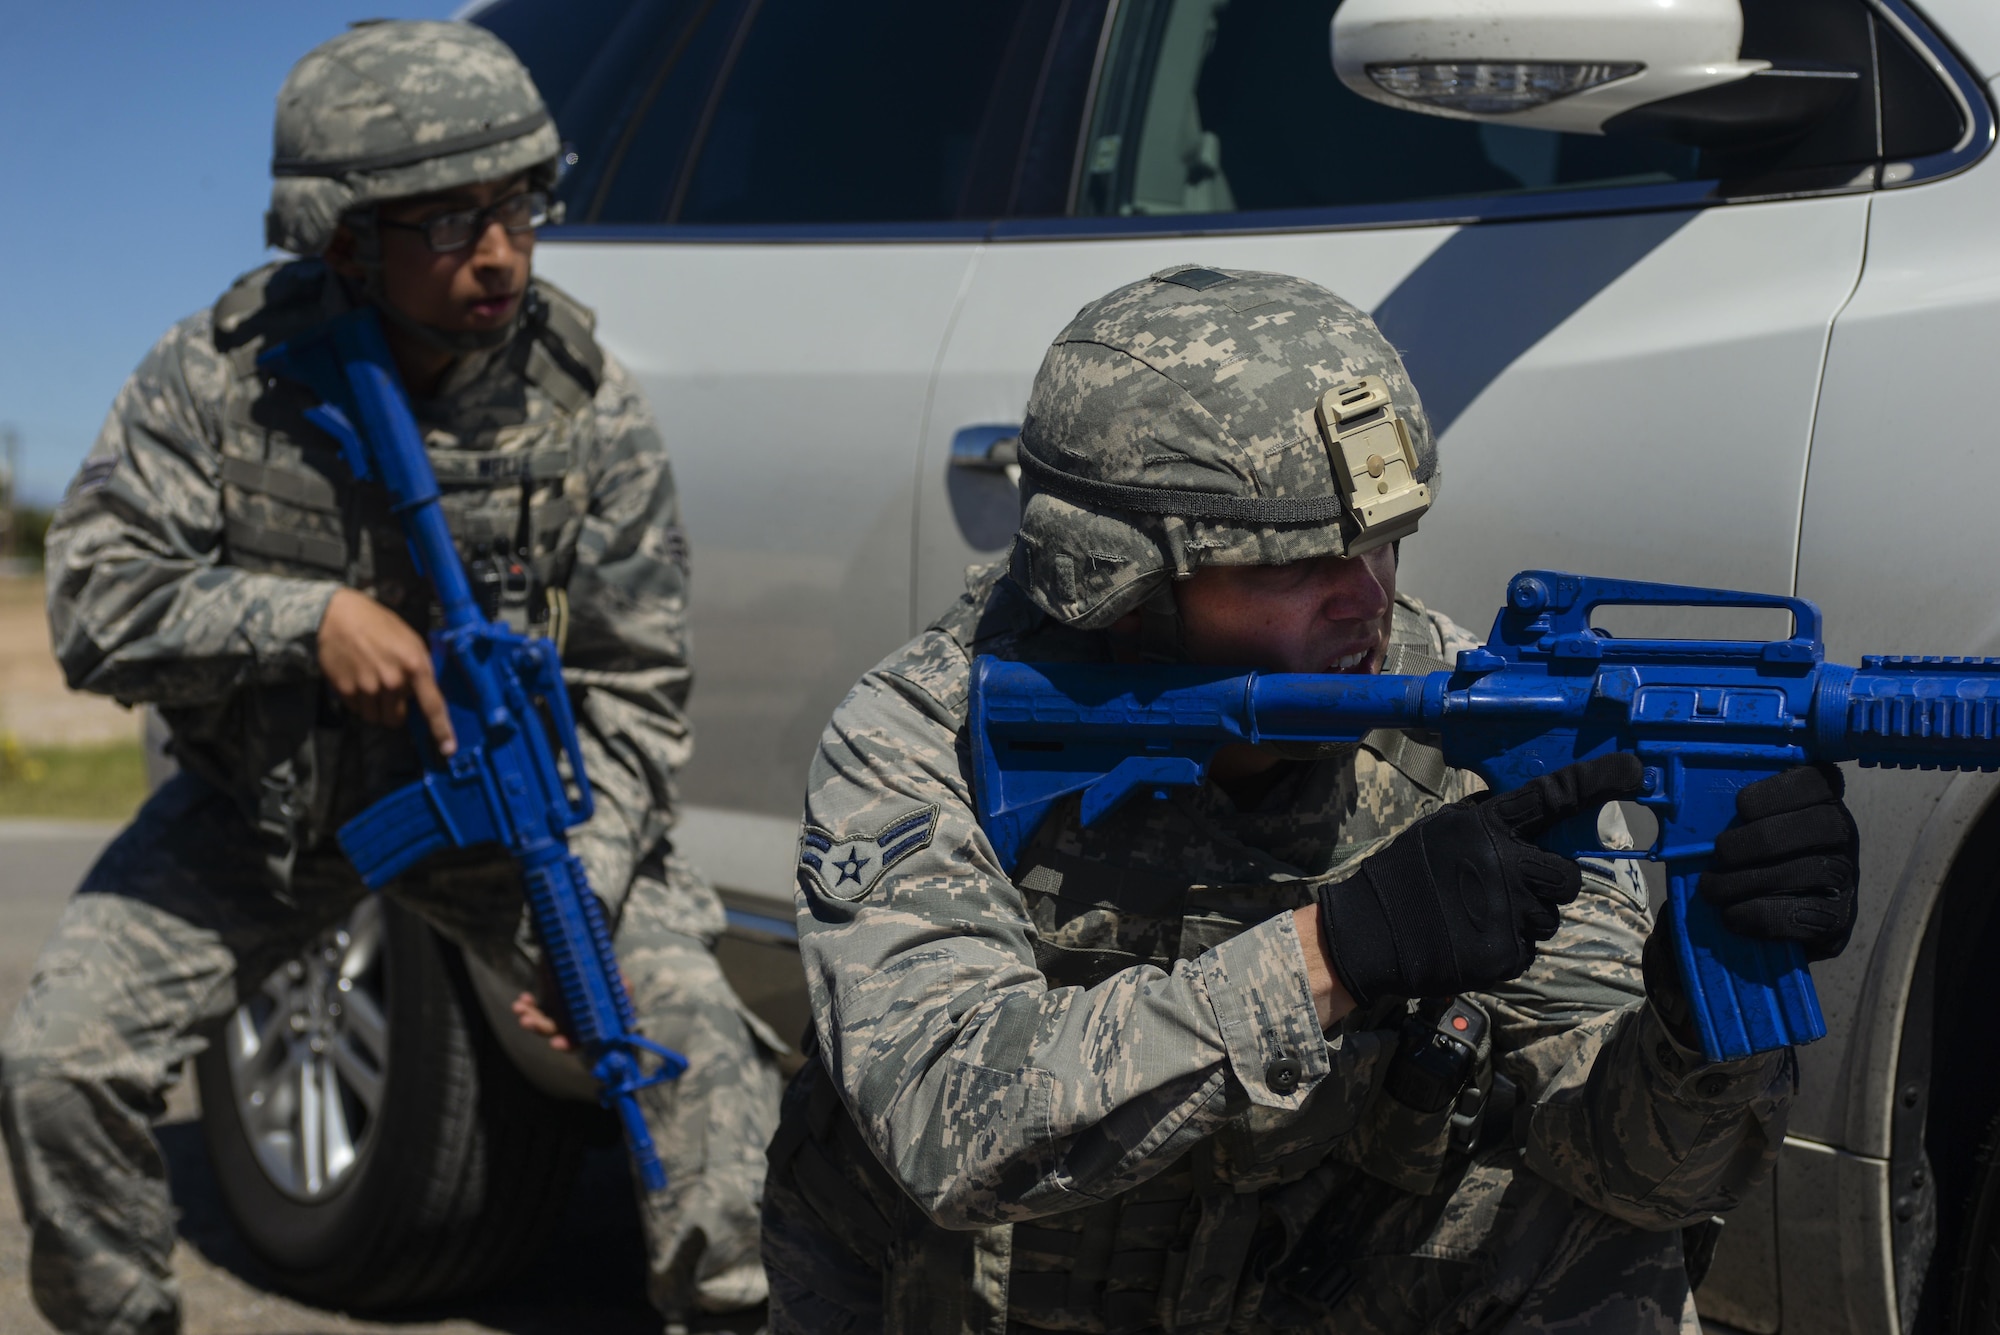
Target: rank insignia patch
(92, 476)
(847, 867)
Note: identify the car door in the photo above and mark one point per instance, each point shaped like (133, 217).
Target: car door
(1618, 340)
(761, 209)
(1622, 347)
(1901, 563)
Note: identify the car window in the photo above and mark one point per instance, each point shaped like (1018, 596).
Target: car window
(1208, 106)
(642, 164)
(626, 84)
(863, 113)
(557, 44)
(1047, 160)
(1220, 105)
(1918, 116)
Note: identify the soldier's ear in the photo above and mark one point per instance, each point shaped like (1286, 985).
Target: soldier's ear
(340, 253)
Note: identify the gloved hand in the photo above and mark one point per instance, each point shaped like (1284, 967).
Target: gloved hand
(1457, 902)
(1788, 869)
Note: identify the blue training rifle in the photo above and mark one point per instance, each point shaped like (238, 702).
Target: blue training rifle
(503, 784)
(1704, 717)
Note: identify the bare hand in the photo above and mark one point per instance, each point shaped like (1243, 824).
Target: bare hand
(374, 662)
(1331, 998)
(528, 1013)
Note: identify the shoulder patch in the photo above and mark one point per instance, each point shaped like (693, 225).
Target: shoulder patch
(847, 867)
(92, 476)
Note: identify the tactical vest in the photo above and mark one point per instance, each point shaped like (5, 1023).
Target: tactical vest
(1188, 1249)
(509, 447)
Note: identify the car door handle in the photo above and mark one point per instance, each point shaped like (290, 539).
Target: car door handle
(988, 449)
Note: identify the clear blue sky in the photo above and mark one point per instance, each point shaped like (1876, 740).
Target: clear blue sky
(136, 145)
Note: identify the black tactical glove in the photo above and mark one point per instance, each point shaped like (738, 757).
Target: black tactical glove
(1788, 868)
(1457, 902)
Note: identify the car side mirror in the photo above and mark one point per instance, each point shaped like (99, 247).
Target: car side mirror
(1669, 69)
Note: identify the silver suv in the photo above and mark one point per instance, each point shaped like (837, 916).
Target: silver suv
(1741, 337)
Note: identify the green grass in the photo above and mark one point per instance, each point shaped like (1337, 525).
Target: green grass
(105, 782)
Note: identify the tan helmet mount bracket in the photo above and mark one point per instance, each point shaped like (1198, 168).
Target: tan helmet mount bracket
(1373, 463)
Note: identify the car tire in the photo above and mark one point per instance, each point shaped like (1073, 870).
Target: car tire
(1979, 1278)
(1977, 1291)
(447, 1165)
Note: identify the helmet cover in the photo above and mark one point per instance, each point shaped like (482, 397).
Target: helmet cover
(1179, 422)
(397, 108)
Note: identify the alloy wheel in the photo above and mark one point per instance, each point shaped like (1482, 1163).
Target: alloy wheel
(307, 1058)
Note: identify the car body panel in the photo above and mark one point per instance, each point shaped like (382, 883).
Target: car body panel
(1897, 548)
(790, 384)
(1833, 1245)
(1644, 380)
(751, 858)
(1973, 28)
(1673, 356)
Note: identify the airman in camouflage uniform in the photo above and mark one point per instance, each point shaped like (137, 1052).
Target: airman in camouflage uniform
(192, 566)
(1100, 1094)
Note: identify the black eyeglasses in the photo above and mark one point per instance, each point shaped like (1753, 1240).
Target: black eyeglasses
(461, 227)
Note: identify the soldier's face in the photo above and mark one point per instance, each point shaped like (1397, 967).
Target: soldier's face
(475, 288)
(1327, 614)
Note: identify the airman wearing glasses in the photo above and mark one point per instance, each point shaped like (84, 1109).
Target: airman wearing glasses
(214, 558)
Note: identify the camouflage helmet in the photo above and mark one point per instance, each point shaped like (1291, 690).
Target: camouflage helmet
(1211, 417)
(396, 108)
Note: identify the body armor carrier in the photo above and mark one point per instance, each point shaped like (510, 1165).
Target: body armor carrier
(1175, 1252)
(508, 442)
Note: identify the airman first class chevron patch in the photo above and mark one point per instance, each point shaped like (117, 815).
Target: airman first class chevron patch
(847, 867)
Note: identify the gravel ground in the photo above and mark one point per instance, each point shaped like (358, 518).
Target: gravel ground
(35, 705)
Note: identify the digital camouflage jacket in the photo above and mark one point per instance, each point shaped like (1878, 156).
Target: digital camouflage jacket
(1099, 1087)
(194, 555)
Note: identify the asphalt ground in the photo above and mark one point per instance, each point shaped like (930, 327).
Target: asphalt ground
(590, 1279)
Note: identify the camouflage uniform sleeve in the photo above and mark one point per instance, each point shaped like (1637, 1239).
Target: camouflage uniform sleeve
(1621, 1115)
(626, 657)
(990, 1096)
(140, 606)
